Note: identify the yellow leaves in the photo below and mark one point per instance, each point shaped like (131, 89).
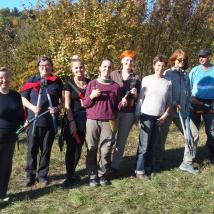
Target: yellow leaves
(14, 22)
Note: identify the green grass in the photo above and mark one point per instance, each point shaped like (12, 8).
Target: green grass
(171, 191)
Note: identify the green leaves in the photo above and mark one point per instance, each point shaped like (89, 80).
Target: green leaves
(97, 29)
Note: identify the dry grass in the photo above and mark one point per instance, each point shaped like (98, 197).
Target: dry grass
(171, 191)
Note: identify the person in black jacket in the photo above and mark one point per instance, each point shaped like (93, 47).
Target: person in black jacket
(11, 116)
(42, 133)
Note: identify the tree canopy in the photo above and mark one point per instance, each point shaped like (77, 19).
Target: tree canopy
(98, 29)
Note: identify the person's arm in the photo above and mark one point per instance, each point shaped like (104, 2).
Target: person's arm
(69, 113)
(20, 112)
(26, 103)
(90, 95)
(140, 99)
(166, 113)
(192, 98)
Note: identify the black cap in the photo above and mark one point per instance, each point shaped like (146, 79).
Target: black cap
(204, 52)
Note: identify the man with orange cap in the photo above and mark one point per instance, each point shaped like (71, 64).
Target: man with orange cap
(130, 86)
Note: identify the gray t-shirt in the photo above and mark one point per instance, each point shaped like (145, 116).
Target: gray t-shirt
(155, 96)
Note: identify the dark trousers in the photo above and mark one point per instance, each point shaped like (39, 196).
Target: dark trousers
(43, 141)
(73, 151)
(6, 156)
(209, 129)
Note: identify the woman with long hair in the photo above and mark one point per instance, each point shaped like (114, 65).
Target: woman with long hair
(178, 63)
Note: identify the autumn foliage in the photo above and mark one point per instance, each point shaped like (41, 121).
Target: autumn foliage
(97, 29)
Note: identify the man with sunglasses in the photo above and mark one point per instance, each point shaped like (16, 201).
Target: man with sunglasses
(202, 99)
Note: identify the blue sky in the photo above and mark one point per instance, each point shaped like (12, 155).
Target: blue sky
(17, 3)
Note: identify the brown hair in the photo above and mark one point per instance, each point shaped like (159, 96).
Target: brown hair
(4, 69)
(106, 59)
(160, 58)
(175, 55)
(45, 58)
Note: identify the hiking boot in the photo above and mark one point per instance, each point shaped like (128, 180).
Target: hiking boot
(30, 182)
(104, 181)
(67, 184)
(43, 181)
(93, 182)
(188, 168)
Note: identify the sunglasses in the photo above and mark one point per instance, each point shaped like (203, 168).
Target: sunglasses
(203, 56)
(181, 60)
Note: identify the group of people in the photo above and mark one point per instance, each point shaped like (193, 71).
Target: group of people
(101, 112)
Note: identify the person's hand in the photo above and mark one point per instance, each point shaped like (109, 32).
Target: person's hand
(36, 109)
(195, 101)
(134, 91)
(161, 120)
(53, 110)
(95, 93)
(26, 123)
(124, 102)
(178, 107)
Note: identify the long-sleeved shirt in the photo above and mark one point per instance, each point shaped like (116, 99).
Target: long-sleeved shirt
(11, 115)
(105, 106)
(126, 85)
(54, 89)
(202, 82)
(180, 89)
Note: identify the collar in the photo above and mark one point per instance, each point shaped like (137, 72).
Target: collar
(104, 81)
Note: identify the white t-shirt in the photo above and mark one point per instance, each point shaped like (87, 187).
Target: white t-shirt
(155, 96)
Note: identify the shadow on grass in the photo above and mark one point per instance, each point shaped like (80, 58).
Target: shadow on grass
(29, 194)
(172, 159)
(37, 192)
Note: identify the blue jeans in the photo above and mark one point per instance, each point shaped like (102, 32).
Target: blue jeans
(149, 136)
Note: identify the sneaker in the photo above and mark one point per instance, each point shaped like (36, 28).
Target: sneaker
(4, 199)
(43, 181)
(104, 181)
(142, 177)
(93, 182)
(67, 184)
(30, 182)
(188, 168)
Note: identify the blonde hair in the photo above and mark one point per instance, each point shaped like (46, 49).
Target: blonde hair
(76, 60)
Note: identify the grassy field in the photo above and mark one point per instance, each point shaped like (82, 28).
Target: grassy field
(171, 191)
